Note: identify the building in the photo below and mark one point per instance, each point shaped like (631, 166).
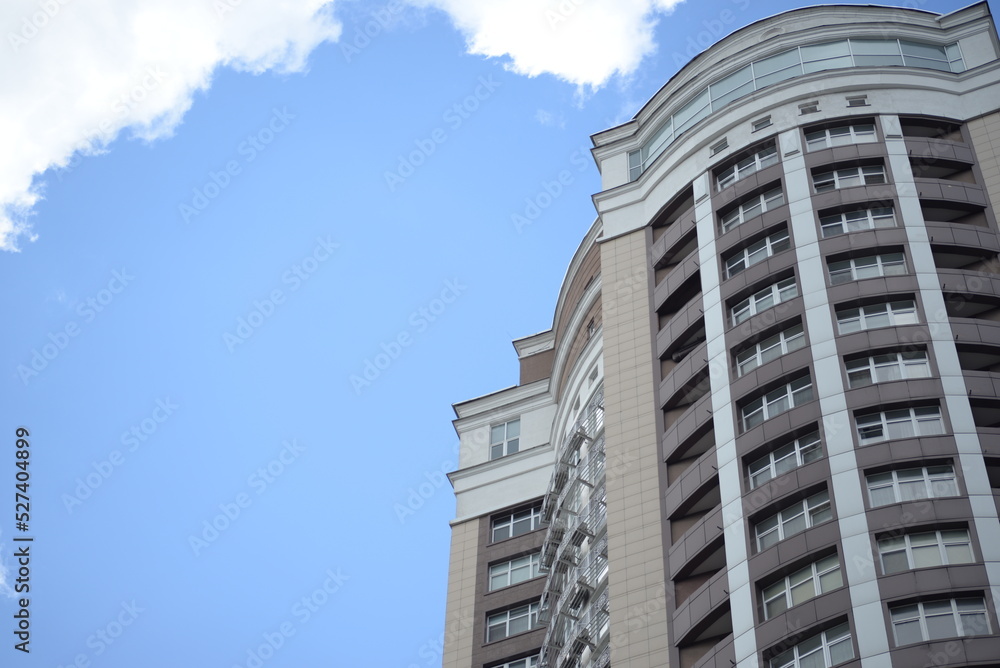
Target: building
(764, 427)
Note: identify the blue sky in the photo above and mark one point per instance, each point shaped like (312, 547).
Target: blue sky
(252, 258)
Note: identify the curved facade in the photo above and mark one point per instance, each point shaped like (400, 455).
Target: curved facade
(772, 434)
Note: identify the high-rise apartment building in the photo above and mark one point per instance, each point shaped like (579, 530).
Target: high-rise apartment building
(764, 427)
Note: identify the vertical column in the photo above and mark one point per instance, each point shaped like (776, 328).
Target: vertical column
(956, 400)
(734, 522)
(838, 440)
(636, 579)
(461, 602)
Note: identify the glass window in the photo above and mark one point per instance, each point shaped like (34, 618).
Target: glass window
(765, 157)
(511, 622)
(775, 402)
(896, 313)
(504, 438)
(770, 348)
(900, 423)
(517, 523)
(514, 571)
(817, 578)
(757, 252)
(925, 549)
(793, 519)
(857, 221)
(848, 177)
(876, 52)
(872, 266)
(928, 482)
(529, 662)
(855, 133)
(751, 208)
(774, 294)
(801, 451)
(822, 650)
(887, 367)
(934, 620)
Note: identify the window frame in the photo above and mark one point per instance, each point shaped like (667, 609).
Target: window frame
(534, 562)
(917, 417)
(904, 362)
(885, 264)
(849, 177)
(805, 449)
(897, 312)
(778, 292)
(931, 484)
(751, 208)
(874, 218)
(813, 574)
(828, 639)
(792, 394)
(530, 612)
(923, 614)
(782, 341)
(510, 519)
(762, 158)
(903, 545)
(758, 251)
(852, 134)
(808, 508)
(528, 662)
(506, 439)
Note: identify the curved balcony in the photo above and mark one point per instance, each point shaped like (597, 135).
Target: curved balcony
(898, 336)
(925, 511)
(697, 416)
(694, 541)
(901, 450)
(682, 374)
(989, 439)
(663, 248)
(769, 372)
(978, 651)
(762, 321)
(684, 323)
(720, 655)
(854, 195)
(982, 384)
(950, 191)
(794, 548)
(930, 581)
(901, 392)
(928, 149)
(700, 605)
(872, 288)
(673, 281)
(962, 282)
(792, 420)
(693, 478)
(885, 236)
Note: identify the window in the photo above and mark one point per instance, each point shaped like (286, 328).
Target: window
(900, 423)
(822, 650)
(720, 146)
(764, 299)
(872, 266)
(848, 177)
(926, 549)
(889, 314)
(510, 622)
(504, 438)
(783, 66)
(514, 571)
(887, 367)
(517, 523)
(933, 620)
(761, 123)
(928, 482)
(765, 157)
(770, 348)
(794, 519)
(817, 578)
(858, 133)
(801, 451)
(857, 221)
(858, 101)
(757, 251)
(768, 201)
(528, 662)
(775, 402)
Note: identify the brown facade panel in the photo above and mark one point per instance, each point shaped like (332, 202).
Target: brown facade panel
(537, 367)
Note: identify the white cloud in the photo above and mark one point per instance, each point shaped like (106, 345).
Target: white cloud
(584, 42)
(76, 73)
